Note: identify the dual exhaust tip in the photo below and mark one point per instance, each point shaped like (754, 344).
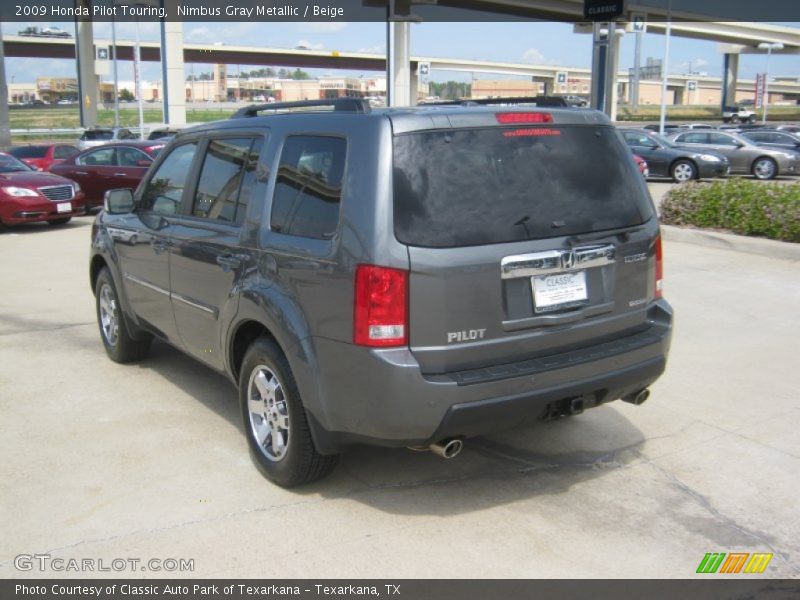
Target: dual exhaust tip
(637, 398)
(450, 448)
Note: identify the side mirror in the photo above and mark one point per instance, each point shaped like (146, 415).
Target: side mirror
(118, 202)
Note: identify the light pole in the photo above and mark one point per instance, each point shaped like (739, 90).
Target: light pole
(769, 47)
(116, 73)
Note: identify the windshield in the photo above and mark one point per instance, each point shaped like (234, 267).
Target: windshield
(9, 164)
(485, 186)
(28, 152)
(97, 135)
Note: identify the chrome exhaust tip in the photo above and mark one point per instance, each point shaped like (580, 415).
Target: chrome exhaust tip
(638, 398)
(447, 448)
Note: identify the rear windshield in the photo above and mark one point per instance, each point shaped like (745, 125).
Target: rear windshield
(489, 186)
(28, 152)
(97, 135)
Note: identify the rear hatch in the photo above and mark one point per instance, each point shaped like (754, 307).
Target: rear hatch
(527, 237)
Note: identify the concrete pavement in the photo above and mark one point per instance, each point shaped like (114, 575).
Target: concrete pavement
(149, 461)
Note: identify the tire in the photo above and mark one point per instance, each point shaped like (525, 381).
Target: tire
(682, 171)
(764, 168)
(735, 119)
(751, 119)
(275, 421)
(59, 221)
(114, 330)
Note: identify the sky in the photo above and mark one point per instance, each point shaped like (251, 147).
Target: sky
(530, 42)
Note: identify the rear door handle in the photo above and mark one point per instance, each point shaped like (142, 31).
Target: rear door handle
(120, 175)
(81, 173)
(230, 261)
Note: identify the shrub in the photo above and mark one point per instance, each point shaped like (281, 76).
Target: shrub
(770, 210)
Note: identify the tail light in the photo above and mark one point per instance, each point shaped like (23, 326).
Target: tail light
(512, 118)
(381, 307)
(659, 269)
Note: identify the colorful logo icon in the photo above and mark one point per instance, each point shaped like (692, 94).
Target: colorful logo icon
(734, 562)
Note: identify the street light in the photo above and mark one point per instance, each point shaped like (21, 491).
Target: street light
(769, 47)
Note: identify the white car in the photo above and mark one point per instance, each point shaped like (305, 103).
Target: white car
(97, 136)
(738, 115)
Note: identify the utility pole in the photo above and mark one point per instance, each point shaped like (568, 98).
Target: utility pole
(637, 66)
(5, 127)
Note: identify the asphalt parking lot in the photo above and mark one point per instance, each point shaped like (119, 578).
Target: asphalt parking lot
(105, 461)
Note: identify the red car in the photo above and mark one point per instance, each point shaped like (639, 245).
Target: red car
(42, 156)
(108, 167)
(642, 164)
(27, 195)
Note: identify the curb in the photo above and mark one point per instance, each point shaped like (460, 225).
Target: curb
(730, 241)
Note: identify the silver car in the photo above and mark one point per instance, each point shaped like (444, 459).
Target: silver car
(744, 156)
(97, 136)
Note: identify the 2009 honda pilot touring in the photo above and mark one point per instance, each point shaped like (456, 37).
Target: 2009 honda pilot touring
(400, 277)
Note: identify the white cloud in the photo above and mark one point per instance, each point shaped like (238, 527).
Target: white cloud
(309, 45)
(533, 55)
(377, 49)
(199, 34)
(323, 27)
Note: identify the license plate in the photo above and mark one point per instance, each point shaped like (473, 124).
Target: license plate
(555, 292)
(64, 207)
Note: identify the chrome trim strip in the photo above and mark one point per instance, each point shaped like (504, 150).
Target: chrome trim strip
(146, 284)
(553, 261)
(194, 304)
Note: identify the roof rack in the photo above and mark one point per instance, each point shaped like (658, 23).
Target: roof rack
(551, 101)
(352, 105)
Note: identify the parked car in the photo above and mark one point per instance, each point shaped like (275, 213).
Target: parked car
(28, 196)
(346, 270)
(576, 101)
(745, 157)
(738, 114)
(97, 136)
(773, 139)
(642, 164)
(42, 156)
(788, 127)
(108, 167)
(163, 134)
(665, 159)
(667, 127)
(696, 126)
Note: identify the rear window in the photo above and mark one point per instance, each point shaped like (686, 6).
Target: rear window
(91, 136)
(28, 152)
(490, 186)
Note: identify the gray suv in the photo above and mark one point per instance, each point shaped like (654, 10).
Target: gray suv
(397, 277)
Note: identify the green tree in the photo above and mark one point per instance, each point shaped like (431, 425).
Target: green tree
(125, 95)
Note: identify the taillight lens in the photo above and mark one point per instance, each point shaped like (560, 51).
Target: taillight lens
(381, 306)
(510, 118)
(659, 269)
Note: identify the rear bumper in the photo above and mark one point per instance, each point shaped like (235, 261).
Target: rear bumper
(380, 397)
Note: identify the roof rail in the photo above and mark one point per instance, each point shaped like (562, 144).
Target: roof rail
(353, 105)
(551, 101)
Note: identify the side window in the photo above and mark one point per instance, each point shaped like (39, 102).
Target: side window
(105, 157)
(308, 188)
(757, 137)
(225, 167)
(694, 138)
(164, 189)
(131, 157)
(722, 140)
(63, 151)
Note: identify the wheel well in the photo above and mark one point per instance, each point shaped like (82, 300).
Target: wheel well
(245, 335)
(98, 262)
